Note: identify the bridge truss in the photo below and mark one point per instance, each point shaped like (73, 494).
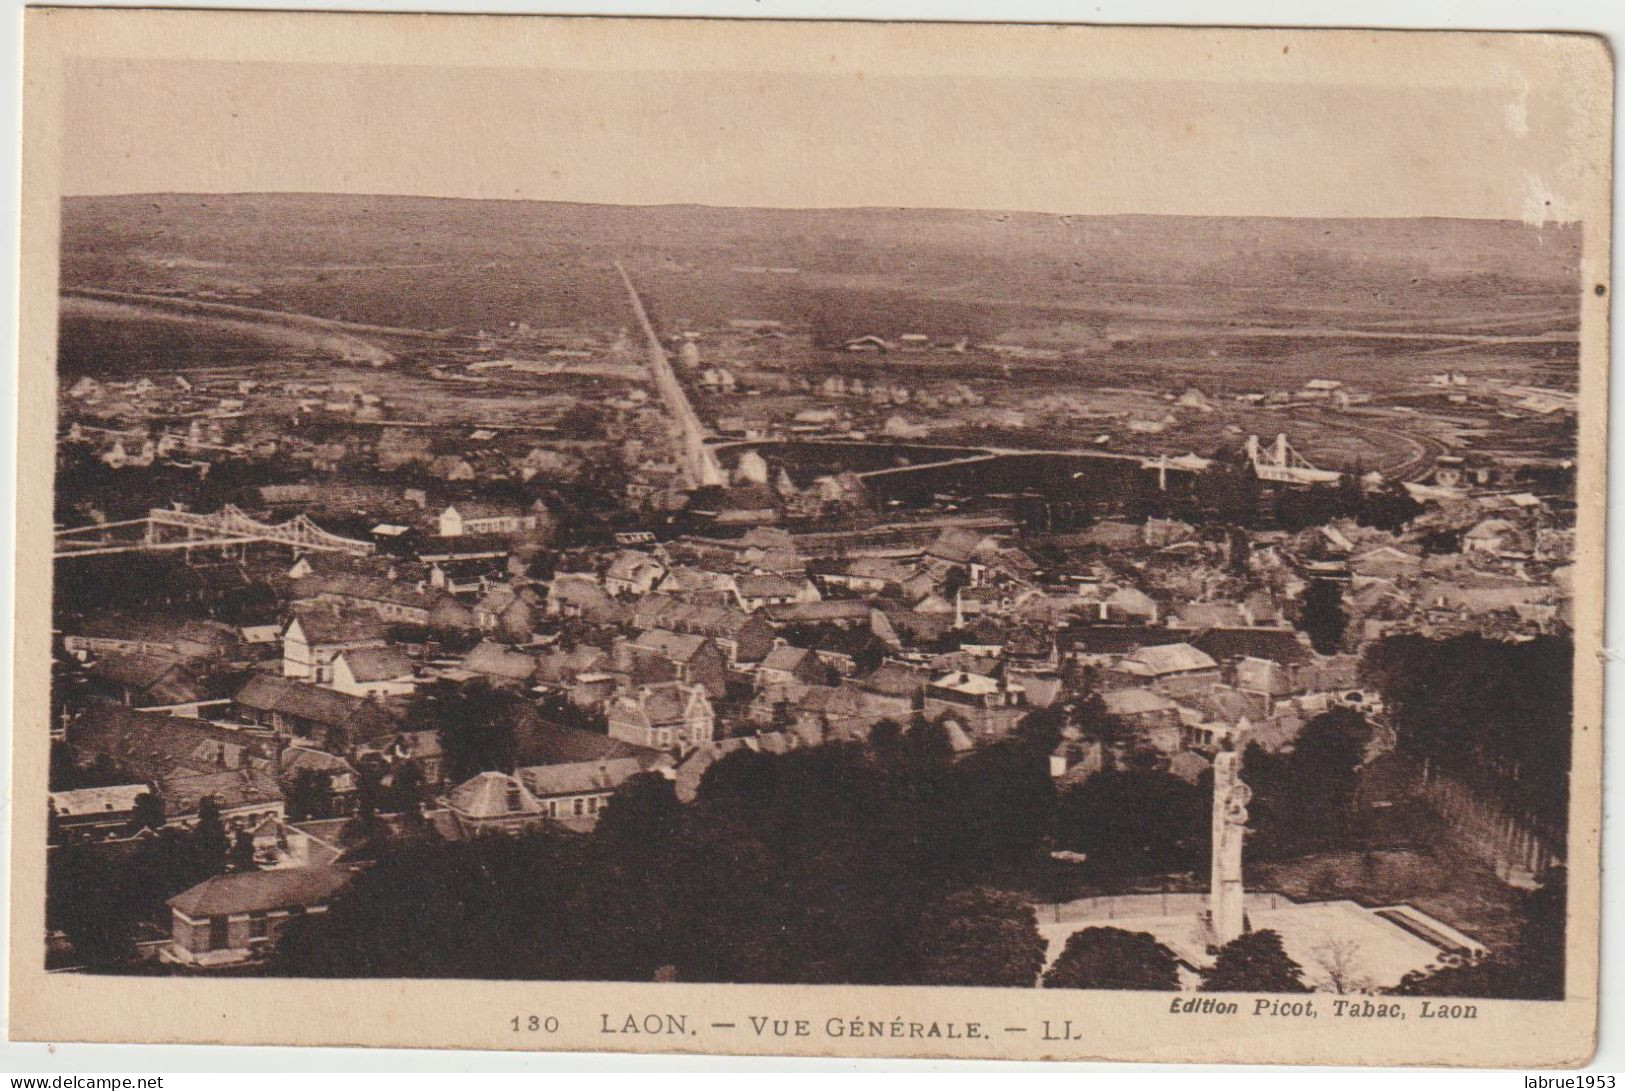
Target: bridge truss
(1280, 463)
(165, 529)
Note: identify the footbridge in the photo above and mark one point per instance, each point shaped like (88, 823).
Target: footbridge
(166, 529)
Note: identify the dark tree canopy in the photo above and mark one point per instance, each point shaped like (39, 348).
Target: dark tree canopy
(980, 937)
(408, 791)
(242, 852)
(1254, 962)
(1135, 822)
(100, 893)
(641, 819)
(90, 902)
(814, 866)
(491, 908)
(1303, 800)
(1497, 715)
(1112, 958)
(209, 842)
(148, 813)
(310, 795)
(1324, 618)
(476, 724)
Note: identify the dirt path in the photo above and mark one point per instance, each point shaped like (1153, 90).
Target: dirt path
(298, 332)
(171, 305)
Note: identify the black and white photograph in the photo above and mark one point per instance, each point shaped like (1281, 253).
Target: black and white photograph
(1096, 531)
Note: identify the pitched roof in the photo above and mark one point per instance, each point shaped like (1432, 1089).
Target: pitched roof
(260, 891)
(484, 509)
(767, 586)
(955, 545)
(652, 610)
(540, 741)
(768, 538)
(691, 769)
(786, 657)
(975, 685)
(486, 795)
(1263, 676)
(678, 647)
(1203, 615)
(827, 610)
(580, 777)
(341, 835)
(160, 629)
(653, 706)
(1114, 535)
(352, 586)
(499, 661)
(1109, 639)
(296, 759)
(783, 561)
(134, 669)
(150, 745)
(497, 598)
(895, 680)
(267, 693)
(689, 578)
(559, 666)
(1160, 659)
(377, 664)
(1227, 705)
(328, 626)
(184, 790)
(579, 591)
(417, 744)
(1135, 702)
(1491, 528)
(829, 701)
(1188, 766)
(1284, 646)
(630, 565)
(113, 799)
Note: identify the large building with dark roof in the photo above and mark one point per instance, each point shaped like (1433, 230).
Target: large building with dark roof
(236, 918)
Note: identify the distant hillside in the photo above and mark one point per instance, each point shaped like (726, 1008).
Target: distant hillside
(430, 263)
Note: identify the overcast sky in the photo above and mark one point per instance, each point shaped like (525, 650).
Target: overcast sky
(1042, 124)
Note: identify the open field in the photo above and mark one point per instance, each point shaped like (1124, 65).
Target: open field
(466, 265)
(1076, 326)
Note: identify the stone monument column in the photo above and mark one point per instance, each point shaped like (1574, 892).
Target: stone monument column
(1226, 894)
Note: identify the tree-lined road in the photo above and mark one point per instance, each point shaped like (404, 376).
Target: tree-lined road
(697, 458)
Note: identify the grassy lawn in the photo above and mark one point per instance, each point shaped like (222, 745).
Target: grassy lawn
(1457, 891)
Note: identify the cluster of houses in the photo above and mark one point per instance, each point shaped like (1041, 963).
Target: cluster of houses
(663, 657)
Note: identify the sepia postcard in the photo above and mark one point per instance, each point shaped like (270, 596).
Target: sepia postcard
(811, 538)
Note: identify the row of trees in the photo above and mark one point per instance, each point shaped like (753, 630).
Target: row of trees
(1113, 958)
(847, 863)
(814, 866)
(1497, 715)
(1140, 821)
